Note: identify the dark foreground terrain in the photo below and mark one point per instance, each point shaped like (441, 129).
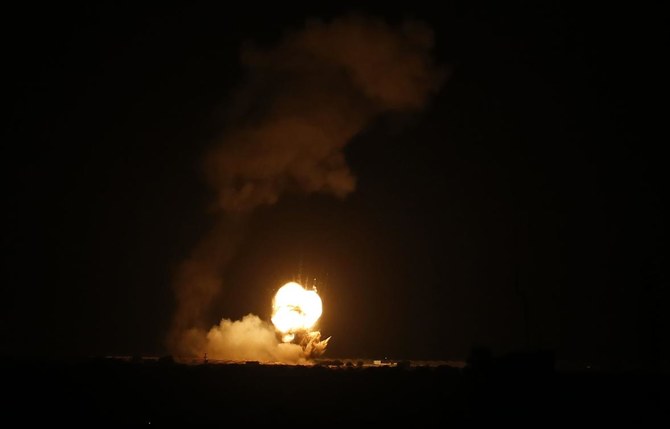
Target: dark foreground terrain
(106, 390)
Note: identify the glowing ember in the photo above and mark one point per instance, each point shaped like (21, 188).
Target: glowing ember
(295, 310)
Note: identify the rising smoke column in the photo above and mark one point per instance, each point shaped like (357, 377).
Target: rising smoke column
(302, 101)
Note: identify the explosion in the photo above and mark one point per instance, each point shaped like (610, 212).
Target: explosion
(295, 311)
(301, 101)
(290, 338)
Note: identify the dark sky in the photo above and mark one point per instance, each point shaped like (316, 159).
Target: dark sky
(529, 174)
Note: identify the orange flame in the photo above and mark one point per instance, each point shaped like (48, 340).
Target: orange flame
(295, 310)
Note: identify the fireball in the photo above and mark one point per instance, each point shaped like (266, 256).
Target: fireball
(295, 310)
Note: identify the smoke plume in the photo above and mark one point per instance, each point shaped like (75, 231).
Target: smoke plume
(286, 128)
(242, 340)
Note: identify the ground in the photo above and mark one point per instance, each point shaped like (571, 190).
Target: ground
(156, 391)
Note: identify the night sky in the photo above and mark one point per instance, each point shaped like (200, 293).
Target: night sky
(528, 177)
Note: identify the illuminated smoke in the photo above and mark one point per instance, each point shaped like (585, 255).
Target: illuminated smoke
(307, 97)
(249, 339)
(302, 102)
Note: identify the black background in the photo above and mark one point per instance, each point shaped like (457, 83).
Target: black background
(530, 174)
